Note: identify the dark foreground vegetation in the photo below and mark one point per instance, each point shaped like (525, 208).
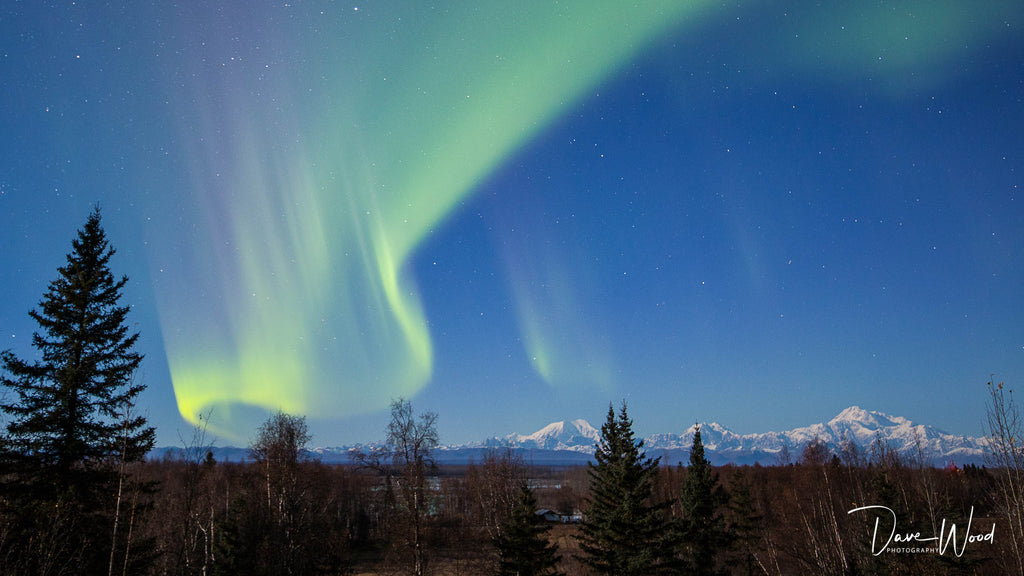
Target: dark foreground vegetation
(284, 515)
(78, 497)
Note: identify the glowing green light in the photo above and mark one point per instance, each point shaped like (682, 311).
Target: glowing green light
(324, 157)
(297, 294)
(894, 48)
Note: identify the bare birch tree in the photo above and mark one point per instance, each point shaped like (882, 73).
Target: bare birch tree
(1006, 457)
(411, 441)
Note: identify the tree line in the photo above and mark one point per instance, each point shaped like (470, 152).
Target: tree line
(77, 495)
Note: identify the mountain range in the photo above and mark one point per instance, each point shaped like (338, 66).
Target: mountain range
(572, 442)
(855, 425)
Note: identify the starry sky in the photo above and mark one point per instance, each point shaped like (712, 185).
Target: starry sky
(756, 213)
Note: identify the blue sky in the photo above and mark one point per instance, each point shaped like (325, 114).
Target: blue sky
(758, 213)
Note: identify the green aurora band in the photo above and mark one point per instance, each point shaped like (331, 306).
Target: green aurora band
(324, 148)
(310, 203)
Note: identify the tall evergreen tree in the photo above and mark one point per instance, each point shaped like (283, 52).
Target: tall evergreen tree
(523, 549)
(702, 526)
(625, 532)
(744, 522)
(70, 418)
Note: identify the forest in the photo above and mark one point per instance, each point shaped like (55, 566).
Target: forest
(79, 496)
(285, 513)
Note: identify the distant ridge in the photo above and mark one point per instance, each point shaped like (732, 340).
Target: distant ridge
(723, 446)
(854, 424)
(575, 436)
(572, 442)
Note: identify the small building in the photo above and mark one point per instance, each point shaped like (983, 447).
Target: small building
(549, 515)
(552, 517)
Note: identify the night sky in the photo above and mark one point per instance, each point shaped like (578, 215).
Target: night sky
(756, 213)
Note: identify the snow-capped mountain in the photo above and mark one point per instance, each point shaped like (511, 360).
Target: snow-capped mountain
(862, 427)
(572, 442)
(575, 436)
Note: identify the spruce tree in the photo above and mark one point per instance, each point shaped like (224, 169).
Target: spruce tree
(523, 549)
(702, 526)
(625, 532)
(744, 521)
(71, 422)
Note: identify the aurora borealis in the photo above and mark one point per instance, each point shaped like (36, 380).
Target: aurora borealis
(315, 217)
(748, 212)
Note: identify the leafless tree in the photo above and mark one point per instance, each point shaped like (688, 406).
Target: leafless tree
(188, 505)
(494, 486)
(927, 484)
(1006, 457)
(122, 479)
(411, 441)
(279, 447)
(817, 508)
(816, 453)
